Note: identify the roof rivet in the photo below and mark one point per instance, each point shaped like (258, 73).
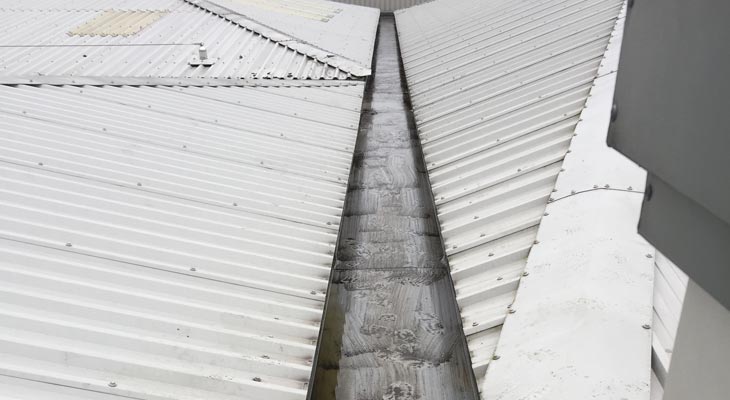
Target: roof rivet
(40, 163)
(257, 379)
(68, 245)
(453, 247)
(595, 186)
(525, 273)
(536, 242)
(482, 234)
(112, 384)
(607, 186)
(512, 311)
(235, 204)
(646, 326)
(630, 188)
(546, 214)
(475, 324)
(139, 184)
(313, 292)
(491, 254)
(649, 256)
(193, 269)
(495, 357)
(499, 278)
(572, 192)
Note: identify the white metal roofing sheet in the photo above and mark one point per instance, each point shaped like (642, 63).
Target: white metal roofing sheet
(160, 243)
(497, 89)
(35, 41)
(343, 30)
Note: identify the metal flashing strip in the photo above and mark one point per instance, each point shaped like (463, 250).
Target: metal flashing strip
(183, 82)
(582, 322)
(276, 35)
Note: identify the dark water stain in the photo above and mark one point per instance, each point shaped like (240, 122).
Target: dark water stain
(391, 327)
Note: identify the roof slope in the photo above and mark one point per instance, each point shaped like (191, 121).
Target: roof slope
(497, 89)
(168, 242)
(158, 39)
(345, 32)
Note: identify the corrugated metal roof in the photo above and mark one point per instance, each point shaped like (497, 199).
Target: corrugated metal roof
(35, 42)
(497, 88)
(161, 243)
(344, 32)
(117, 23)
(584, 310)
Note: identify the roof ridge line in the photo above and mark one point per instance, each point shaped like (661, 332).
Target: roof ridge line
(301, 46)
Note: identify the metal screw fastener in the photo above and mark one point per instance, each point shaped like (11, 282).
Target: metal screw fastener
(495, 357)
(646, 326)
(499, 278)
(313, 292)
(40, 163)
(68, 245)
(490, 254)
(257, 379)
(512, 311)
(193, 269)
(649, 256)
(475, 324)
(536, 242)
(614, 112)
(525, 273)
(112, 384)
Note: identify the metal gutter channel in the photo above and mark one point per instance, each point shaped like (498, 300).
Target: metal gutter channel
(391, 327)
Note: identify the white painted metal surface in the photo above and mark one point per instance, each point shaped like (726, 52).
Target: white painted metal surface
(670, 286)
(341, 30)
(35, 41)
(699, 362)
(498, 88)
(582, 327)
(167, 243)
